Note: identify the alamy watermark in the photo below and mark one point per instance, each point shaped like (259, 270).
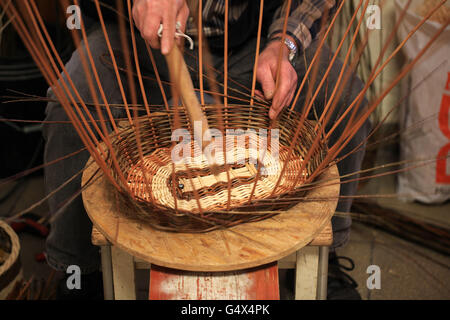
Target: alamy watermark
(74, 280)
(374, 280)
(373, 19)
(73, 21)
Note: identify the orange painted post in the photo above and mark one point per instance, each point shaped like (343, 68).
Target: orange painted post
(259, 283)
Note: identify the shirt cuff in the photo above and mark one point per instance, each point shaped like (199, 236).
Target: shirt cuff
(297, 30)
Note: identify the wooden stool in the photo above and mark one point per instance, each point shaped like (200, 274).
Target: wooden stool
(310, 262)
(246, 253)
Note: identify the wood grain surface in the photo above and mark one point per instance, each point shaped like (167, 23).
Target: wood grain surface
(324, 238)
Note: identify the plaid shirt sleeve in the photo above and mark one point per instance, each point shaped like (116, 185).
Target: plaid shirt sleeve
(302, 21)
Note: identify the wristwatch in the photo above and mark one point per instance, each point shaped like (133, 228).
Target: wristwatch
(292, 49)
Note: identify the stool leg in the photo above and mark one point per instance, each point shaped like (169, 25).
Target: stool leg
(108, 290)
(306, 273)
(123, 275)
(323, 273)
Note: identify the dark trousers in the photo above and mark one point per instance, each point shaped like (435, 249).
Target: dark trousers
(69, 242)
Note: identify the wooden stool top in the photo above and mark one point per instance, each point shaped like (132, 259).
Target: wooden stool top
(324, 238)
(240, 247)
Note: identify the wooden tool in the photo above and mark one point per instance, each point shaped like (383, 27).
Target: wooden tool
(181, 78)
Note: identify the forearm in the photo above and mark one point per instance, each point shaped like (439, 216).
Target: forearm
(302, 17)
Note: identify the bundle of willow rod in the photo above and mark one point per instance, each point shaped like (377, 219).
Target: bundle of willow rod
(134, 157)
(431, 234)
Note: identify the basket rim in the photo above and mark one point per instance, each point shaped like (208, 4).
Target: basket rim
(15, 248)
(127, 132)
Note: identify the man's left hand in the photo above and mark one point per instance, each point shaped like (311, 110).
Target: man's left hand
(266, 74)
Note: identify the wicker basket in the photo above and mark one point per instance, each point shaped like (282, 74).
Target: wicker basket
(10, 269)
(201, 198)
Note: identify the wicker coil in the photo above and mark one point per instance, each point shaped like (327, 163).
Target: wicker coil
(186, 196)
(10, 268)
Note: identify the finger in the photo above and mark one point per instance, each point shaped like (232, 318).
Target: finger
(139, 8)
(288, 97)
(137, 17)
(283, 103)
(168, 34)
(281, 86)
(276, 107)
(285, 91)
(259, 94)
(294, 87)
(265, 78)
(182, 18)
(281, 96)
(150, 31)
(291, 96)
(273, 113)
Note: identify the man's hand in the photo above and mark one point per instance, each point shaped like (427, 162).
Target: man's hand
(149, 14)
(266, 74)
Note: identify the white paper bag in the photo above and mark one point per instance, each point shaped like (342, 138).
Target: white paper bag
(431, 139)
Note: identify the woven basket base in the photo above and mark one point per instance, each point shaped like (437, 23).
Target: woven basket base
(195, 188)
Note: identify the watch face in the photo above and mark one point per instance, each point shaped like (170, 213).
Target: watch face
(292, 48)
(289, 44)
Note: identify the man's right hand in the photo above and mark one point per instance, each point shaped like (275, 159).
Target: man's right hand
(149, 14)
